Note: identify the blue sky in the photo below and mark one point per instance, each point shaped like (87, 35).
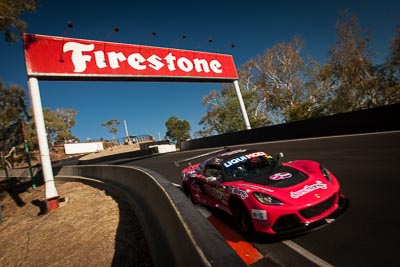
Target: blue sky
(252, 26)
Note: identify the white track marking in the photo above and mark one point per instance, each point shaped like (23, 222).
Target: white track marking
(204, 211)
(176, 185)
(306, 254)
(302, 251)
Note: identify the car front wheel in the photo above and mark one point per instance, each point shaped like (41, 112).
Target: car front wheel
(241, 217)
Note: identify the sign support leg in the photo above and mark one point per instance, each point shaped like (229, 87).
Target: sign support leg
(51, 191)
(242, 106)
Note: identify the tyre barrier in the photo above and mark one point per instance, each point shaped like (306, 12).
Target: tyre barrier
(176, 233)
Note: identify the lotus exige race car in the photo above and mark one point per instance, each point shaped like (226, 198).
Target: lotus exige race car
(262, 193)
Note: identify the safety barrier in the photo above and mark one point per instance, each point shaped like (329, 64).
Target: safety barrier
(176, 233)
(380, 119)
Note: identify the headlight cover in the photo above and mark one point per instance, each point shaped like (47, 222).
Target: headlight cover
(325, 173)
(267, 199)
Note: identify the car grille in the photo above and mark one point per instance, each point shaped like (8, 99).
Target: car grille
(318, 209)
(286, 222)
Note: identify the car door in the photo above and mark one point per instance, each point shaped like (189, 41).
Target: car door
(213, 189)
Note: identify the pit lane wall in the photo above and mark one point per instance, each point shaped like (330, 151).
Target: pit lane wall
(380, 119)
(176, 233)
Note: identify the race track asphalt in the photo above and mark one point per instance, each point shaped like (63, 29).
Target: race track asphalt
(367, 168)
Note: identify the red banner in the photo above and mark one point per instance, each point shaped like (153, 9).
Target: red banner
(51, 58)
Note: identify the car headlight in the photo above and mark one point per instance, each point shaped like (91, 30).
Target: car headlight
(267, 199)
(325, 173)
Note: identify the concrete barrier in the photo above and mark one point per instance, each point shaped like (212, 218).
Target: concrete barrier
(380, 119)
(177, 234)
(21, 174)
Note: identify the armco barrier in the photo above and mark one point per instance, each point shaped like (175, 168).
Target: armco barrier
(378, 119)
(177, 234)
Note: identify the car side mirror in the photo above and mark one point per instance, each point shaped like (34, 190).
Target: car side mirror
(279, 156)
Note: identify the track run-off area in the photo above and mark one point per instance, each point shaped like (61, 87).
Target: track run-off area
(368, 169)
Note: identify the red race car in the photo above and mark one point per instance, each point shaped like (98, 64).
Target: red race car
(262, 193)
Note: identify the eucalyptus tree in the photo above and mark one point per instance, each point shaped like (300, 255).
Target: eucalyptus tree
(59, 123)
(349, 70)
(11, 12)
(12, 105)
(286, 81)
(177, 130)
(224, 114)
(112, 125)
(389, 74)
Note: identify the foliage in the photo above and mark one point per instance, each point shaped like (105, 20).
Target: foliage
(12, 105)
(349, 70)
(224, 114)
(59, 123)
(111, 126)
(177, 130)
(11, 12)
(284, 85)
(13, 108)
(286, 82)
(389, 75)
(278, 86)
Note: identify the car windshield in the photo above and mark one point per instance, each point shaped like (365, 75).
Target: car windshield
(244, 167)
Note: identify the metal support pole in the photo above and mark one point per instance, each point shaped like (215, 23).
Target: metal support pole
(28, 154)
(127, 133)
(51, 191)
(242, 107)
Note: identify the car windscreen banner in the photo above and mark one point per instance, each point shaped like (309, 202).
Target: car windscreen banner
(62, 58)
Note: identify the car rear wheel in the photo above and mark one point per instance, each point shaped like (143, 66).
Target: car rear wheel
(241, 217)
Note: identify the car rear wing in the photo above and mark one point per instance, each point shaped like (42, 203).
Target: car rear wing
(201, 156)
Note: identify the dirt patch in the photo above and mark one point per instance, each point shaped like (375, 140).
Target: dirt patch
(90, 228)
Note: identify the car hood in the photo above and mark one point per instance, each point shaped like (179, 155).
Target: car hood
(280, 177)
(298, 182)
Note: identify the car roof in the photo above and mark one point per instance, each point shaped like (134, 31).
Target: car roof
(225, 156)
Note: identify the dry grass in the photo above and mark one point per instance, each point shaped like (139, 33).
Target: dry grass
(90, 228)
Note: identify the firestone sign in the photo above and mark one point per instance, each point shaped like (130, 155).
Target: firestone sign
(52, 58)
(59, 58)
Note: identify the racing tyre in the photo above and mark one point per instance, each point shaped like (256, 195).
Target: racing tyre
(241, 217)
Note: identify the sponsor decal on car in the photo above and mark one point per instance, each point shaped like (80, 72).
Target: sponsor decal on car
(259, 214)
(243, 158)
(255, 188)
(239, 192)
(280, 176)
(215, 193)
(307, 189)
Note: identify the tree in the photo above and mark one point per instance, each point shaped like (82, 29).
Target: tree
(12, 105)
(224, 114)
(349, 70)
(11, 12)
(59, 123)
(111, 126)
(389, 74)
(177, 130)
(278, 86)
(286, 82)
